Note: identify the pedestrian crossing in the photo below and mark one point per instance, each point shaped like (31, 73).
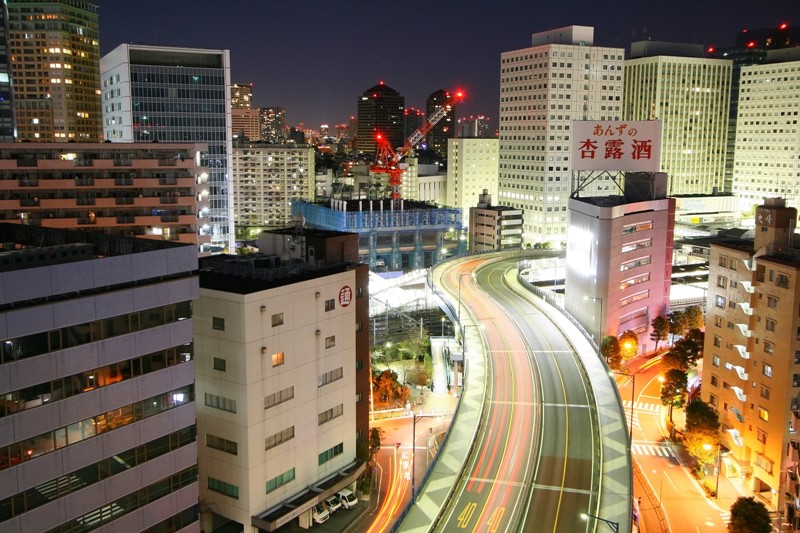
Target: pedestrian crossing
(653, 408)
(653, 450)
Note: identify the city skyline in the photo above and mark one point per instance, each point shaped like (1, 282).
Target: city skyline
(295, 67)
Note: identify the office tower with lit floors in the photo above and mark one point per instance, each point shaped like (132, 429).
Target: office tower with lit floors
(54, 50)
(283, 378)
(472, 170)
(689, 94)
(443, 130)
(97, 410)
(560, 78)
(380, 110)
(8, 125)
(751, 359)
(168, 94)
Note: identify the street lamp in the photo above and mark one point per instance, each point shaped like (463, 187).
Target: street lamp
(719, 465)
(600, 319)
(632, 377)
(442, 326)
(613, 525)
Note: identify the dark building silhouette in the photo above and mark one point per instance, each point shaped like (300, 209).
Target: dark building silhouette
(380, 110)
(445, 128)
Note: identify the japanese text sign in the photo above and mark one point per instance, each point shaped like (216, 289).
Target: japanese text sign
(632, 146)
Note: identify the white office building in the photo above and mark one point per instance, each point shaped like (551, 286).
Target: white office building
(472, 169)
(561, 77)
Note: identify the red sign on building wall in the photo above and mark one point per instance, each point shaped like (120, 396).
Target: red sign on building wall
(616, 145)
(345, 295)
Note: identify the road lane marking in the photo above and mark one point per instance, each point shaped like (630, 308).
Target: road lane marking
(562, 489)
(646, 449)
(642, 406)
(584, 406)
(496, 481)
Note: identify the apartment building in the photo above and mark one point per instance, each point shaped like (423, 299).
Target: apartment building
(97, 411)
(494, 227)
(751, 361)
(150, 190)
(472, 167)
(284, 376)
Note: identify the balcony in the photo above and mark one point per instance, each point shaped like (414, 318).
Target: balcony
(738, 414)
(123, 163)
(745, 330)
(123, 200)
(750, 264)
(84, 182)
(736, 437)
(742, 351)
(123, 181)
(740, 372)
(745, 308)
(27, 162)
(739, 393)
(84, 162)
(167, 162)
(747, 286)
(83, 221)
(28, 182)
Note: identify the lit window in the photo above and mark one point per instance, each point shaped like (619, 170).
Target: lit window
(277, 319)
(277, 359)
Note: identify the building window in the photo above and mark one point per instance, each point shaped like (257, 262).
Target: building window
(232, 491)
(764, 463)
(722, 282)
(717, 341)
(633, 228)
(797, 357)
(220, 402)
(772, 302)
(765, 393)
(769, 324)
(277, 398)
(713, 400)
(330, 342)
(277, 319)
(330, 414)
(763, 414)
(223, 445)
(769, 348)
(718, 321)
(635, 263)
(330, 305)
(782, 280)
(714, 381)
(217, 323)
(219, 364)
(715, 360)
(281, 480)
(766, 370)
(720, 302)
(330, 376)
(761, 436)
(636, 245)
(279, 438)
(795, 380)
(723, 261)
(359, 326)
(329, 454)
(277, 359)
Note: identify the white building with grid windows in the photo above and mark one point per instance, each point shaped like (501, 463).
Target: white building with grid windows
(767, 160)
(561, 77)
(472, 168)
(690, 96)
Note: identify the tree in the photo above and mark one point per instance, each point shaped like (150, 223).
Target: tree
(749, 516)
(629, 345)
(375, 437)
(702, 431)
(677, 324)
(673, 390)
(702, 445)
(660, 331)
(701, 416)
(387, 389)
(610, 350)
(694, 317)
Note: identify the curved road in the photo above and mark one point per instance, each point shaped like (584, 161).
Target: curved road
(533, 466)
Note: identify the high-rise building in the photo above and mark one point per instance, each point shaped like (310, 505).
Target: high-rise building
(475, 126)
(266, 179)
(273, 125)
(767, 148)
(689, 94)
(751, 360)
(97, 397)
(8, 125)
(283, 368)
(241, 96)
(167, 94)
(413, 118)
(562, 77)
(472, 168)
(149, 190)
(54, 50)
(443, 130)
(246, 124)
(494, 227)
(380, 110)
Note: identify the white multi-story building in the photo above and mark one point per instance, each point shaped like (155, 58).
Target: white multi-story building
(170, 94)
(690, 96)
(472, 169)
(266, 178)
(283, 376)
(97, 410)
(767, 160)
(562, 77)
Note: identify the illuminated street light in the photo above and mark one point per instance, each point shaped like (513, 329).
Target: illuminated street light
(708, 447)
(613, 525)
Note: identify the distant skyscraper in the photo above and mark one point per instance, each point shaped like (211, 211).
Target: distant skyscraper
(167, 94)
(689, 94)
(8, 126)
(566, 79)
(472, 166)
(445, 128)
(273, 124)
(475, 126)
(54, 51)
(380, 110)
(767, 148)
(412, 120)
(241, 96)
(246, 122)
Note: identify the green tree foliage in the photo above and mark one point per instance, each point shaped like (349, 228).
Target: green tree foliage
(660, 331)
(610, 350)
(678, 324)
(702, 431)
(375, 438)
(629, 345)
(702, 446)
(701, 416)
(749, 516)
(694, 317)
(673, 390)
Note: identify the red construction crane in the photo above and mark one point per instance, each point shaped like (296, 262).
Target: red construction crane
(387, 160)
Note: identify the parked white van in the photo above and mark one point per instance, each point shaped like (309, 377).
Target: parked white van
(347, 498)
(319, 513)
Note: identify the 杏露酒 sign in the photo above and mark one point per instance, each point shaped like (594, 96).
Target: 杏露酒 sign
(631, 146)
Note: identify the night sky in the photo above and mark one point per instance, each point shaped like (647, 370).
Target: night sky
(314, 58)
